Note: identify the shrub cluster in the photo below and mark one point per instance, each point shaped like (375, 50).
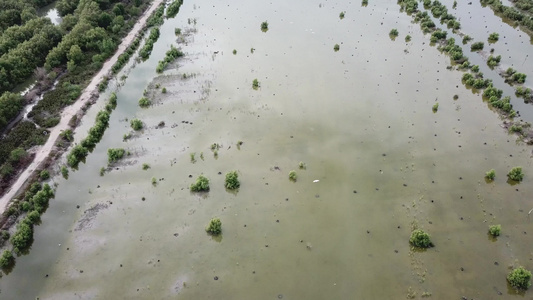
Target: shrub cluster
(174, 8)
(170, 56)
(146, 50)
(477, 46)
(490, 175)
(201, 184)
(516, 174)
(214, 227)
(115, 154)
(519, 278)
(80, 152)
(493, 61)
(495, 230)
(420, 239)
(232, 180)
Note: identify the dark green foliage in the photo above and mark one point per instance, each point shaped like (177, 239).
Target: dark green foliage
(24, 136)
(454, 51)
(490, 175)
(10, 106)
(519, 278)
(477, 46)
(146, 50)
(420, 239)
(232, 180)
(410, 6)
(146, 167)
(34, 217)
(23, 237)
(475, 68)
(170, 56)
(124, 57)
(156, 19)
(438, 35)
(341, 15)
(435, 107)
(177, 31)
(516, 174)
(6, 259)
(64, 172)
(493, 37)
(4, 235)
(136, 124)
(20, 62)
(115, 154)
(174, 8)
(394, 32)
(525, 93)
(493, 61)
(214, 227)
(466, 39)
(255, 84)
(144, 102)
(264, 26)
(201, 184)
(76, 155)
(407, 38)
(44, 175)
(336, 47)
(519, 77)
(495, 230)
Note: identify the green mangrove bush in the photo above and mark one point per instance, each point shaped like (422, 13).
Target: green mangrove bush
(516, 174)
(420, 239)
(115, 154)
(214, 227)
(201, 184)
(136, 124)
(490, 175)
(232, 180)
(519, 278)
(495, 230)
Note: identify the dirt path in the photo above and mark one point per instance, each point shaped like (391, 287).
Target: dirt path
(68, 112)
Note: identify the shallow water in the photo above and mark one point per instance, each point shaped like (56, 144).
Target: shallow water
(360, 119)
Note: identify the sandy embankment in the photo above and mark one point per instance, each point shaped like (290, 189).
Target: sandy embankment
(44, 151)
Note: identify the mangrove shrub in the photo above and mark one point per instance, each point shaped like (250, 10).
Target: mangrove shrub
(420, 239)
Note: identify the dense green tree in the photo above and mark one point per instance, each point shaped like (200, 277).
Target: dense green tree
(10, 106)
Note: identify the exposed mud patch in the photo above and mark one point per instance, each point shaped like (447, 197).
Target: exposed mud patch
(89, 215)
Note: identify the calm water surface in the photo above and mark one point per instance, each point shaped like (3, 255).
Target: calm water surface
(359, 118)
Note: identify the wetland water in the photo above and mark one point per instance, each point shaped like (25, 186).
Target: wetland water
(360, 118)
